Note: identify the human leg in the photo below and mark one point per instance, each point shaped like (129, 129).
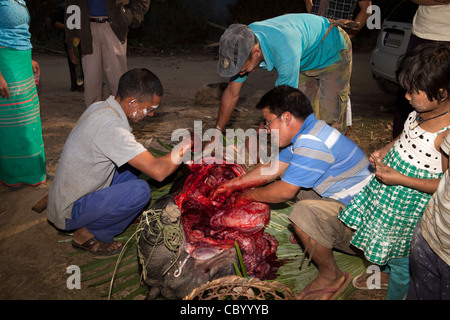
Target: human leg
(430, 275)
(318, 228)
(114, 57)
(93, 69)
(22, 153)
(330, 279)
(107, 212)
(328, 89)
(309, 86)
(398, 279)
(334, 92)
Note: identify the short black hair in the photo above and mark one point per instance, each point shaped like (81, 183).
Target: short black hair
(139, 83)
(426, 68)
(285, 98)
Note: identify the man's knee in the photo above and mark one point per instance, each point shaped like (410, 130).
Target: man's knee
(141, 191)
(319, 220)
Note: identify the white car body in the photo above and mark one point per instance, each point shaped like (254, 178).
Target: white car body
(392, 41)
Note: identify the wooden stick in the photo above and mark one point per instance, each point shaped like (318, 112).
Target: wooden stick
(41, 205)
(13, 231)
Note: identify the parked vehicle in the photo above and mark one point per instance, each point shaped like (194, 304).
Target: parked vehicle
(392, 43)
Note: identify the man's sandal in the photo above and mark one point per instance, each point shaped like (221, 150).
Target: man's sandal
(97, 247)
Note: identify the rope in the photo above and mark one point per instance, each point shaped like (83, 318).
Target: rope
(169, 234)
(344, 24)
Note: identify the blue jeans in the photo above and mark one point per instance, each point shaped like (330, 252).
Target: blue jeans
(108, 212)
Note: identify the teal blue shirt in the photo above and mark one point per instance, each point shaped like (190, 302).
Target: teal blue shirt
(293, 42)
(14, 20)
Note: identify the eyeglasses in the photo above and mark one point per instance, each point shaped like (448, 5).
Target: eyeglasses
(266, 126)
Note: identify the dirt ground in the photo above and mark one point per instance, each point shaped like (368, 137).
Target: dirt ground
(32, 265)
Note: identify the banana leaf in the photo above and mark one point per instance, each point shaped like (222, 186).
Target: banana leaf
(104, 270)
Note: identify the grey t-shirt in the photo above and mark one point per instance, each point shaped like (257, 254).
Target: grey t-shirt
(100, 142)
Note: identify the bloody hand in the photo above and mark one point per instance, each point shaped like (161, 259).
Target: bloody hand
(224, 190)
(243, 199)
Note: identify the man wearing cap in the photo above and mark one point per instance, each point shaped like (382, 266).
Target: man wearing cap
(307, 52)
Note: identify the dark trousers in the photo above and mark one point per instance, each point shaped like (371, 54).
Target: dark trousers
(430, 275)
(108, 212)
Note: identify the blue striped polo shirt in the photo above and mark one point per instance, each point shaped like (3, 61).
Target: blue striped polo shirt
(323, 159)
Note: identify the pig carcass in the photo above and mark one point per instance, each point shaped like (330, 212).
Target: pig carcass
(209, 231)
(172, 272)
(211, 226)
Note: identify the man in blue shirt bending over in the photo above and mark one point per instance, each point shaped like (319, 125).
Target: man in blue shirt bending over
(307, 51)
(322, 168)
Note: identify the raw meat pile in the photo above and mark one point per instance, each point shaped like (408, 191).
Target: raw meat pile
(212, 226)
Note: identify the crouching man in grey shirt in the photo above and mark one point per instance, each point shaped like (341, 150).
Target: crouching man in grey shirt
(96, 191)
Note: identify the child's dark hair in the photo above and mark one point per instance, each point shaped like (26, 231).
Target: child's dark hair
(426, 68)
(285, 98)
(141, 84)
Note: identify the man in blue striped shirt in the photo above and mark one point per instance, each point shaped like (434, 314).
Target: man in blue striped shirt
(318, 165)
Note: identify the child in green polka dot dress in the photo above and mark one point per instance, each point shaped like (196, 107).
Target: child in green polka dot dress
(408, 170)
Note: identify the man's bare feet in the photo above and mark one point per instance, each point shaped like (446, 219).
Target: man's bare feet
(85, 240)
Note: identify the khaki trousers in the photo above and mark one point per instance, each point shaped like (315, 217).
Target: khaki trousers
(109, 56)
(318, 218)
(328, 89)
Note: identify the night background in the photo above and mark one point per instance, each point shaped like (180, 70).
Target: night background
(172, 25)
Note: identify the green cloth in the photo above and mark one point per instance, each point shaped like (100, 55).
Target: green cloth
(22, 158)
(385, 216)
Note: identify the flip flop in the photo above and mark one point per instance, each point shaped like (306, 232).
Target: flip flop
(102, 249)
(357, 278)
(336, 291)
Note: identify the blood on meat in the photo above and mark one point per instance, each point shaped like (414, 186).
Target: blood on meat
(212, 226)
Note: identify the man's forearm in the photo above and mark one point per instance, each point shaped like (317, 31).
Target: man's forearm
(308, 5)
(230, 98)
(275, 192)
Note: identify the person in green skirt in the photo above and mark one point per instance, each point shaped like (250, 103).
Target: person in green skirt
(22, 157)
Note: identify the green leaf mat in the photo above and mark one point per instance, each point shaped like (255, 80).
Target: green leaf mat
(124, 269)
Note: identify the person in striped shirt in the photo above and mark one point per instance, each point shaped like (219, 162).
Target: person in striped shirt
(320, 167)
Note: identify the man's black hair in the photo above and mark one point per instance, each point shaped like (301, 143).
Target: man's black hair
(140, 83)
(285, 98)
(426, 68)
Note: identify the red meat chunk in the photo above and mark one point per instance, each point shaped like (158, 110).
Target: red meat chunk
(211, 226)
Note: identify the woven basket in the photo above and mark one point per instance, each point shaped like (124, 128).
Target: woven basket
(239, 288)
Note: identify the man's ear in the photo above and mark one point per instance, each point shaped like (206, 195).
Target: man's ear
(287, 117)
(256, 51)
